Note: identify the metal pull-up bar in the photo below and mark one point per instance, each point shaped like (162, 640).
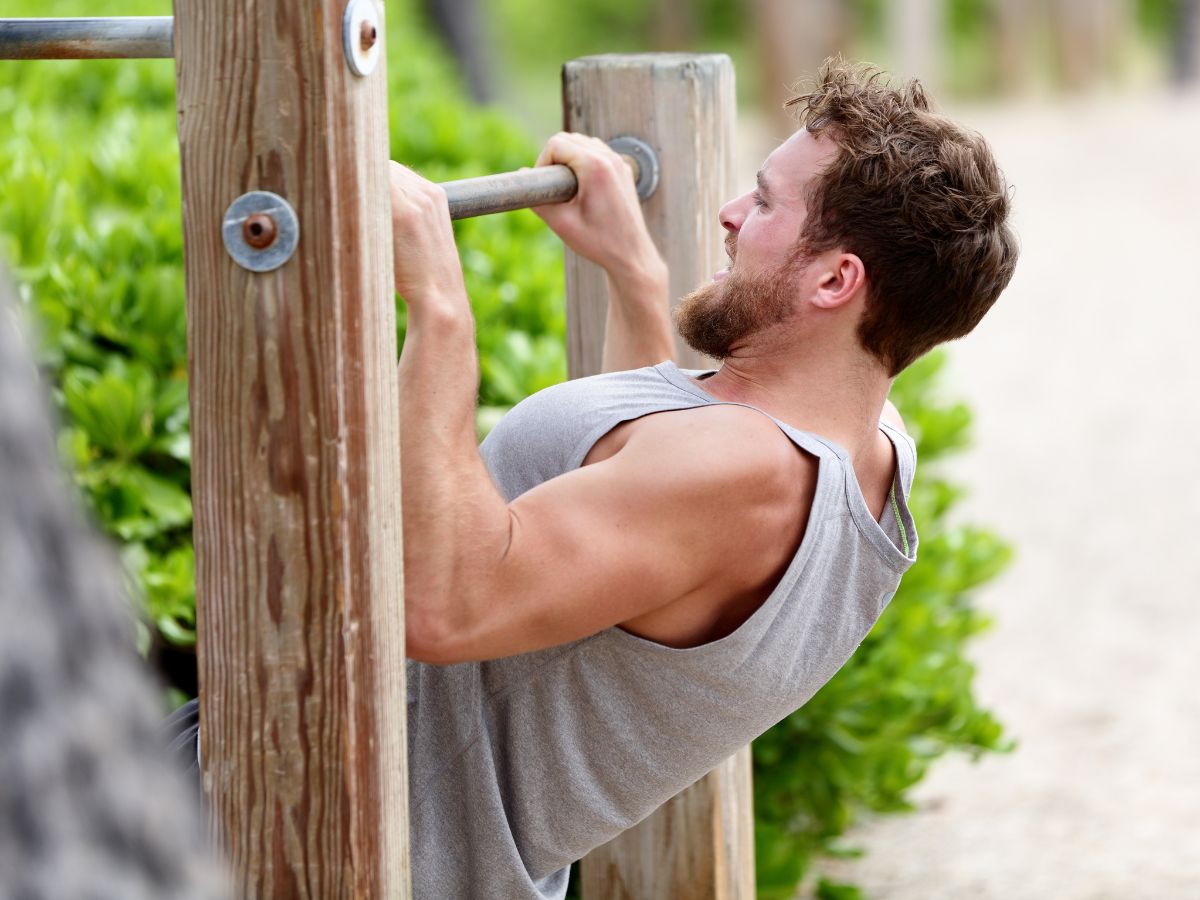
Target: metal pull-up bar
(546, 184)
(152, 37)
(131, 37)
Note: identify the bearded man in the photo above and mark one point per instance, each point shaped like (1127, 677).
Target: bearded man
(641, 571)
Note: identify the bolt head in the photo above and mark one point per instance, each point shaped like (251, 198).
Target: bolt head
(259, 231)
(367, 36)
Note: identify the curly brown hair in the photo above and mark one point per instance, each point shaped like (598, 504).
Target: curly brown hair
(918, 198)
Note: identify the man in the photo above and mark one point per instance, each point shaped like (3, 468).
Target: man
(644, 570)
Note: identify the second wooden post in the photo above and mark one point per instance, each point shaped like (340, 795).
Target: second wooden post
(698, 846)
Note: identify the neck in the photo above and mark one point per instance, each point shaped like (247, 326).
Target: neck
(835, 391)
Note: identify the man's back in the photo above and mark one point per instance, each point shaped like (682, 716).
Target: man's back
(521, 765)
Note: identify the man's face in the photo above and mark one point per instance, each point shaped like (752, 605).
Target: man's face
(760, 286)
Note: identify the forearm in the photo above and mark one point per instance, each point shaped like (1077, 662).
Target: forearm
(638, 328)
(604, 224)
(454, 518)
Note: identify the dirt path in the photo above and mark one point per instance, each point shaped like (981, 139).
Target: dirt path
(1085, 380)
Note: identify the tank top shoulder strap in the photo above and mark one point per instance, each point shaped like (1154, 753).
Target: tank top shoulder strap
(811, 443)
(906, 454)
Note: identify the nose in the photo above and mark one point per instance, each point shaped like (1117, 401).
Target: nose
(733, 214)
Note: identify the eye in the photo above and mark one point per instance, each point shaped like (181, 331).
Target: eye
(758, 200)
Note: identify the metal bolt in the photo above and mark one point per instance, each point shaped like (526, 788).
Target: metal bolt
(367, 36)
(259, 231)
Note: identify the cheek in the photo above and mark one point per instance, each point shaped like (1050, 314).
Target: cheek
(767, 246)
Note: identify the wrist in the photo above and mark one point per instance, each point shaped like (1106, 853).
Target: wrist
(441, 313)
(645, 275)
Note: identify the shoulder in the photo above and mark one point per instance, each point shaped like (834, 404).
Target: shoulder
(739, 493)
(734, 458)
(742, 440)
(905, 446)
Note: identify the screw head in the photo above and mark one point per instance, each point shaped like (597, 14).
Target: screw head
(367, 35)
(259, 231)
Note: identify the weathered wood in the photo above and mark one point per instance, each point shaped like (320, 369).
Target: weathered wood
(295, 455)
(684, 107)
(699, 846)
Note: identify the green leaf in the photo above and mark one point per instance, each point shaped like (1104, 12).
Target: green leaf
(830, 890)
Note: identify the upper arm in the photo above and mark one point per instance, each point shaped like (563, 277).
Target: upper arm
(694, 499)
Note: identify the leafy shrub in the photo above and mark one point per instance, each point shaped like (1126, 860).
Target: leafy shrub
(89, 175)
(90, 223)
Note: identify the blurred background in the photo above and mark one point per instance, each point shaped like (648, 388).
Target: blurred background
(1023, 722)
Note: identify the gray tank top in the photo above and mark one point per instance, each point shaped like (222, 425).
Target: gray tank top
(520, 766)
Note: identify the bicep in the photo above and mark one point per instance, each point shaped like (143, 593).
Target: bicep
(586, 551)
(694, 504)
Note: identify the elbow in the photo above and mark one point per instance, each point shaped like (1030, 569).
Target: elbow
(438, 634)
(429, 637)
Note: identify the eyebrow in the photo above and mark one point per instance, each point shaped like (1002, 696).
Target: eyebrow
(763, 188)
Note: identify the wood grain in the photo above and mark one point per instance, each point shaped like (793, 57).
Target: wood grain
(296, 481)
(684, 107)
(698, 846)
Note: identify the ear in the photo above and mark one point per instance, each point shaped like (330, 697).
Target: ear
(841, 277)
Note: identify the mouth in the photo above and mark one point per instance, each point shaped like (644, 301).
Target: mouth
(731, 252)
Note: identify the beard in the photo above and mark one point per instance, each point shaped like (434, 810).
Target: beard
(715, 317)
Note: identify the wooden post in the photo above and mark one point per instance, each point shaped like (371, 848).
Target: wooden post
(699, 846)
(296, 482)
(684, 107)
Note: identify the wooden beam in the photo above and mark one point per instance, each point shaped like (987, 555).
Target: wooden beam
(699, 846)
(296, 481)
(684, 107)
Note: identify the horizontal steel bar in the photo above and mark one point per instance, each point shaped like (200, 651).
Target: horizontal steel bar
(510, 190)
(522, 189)
(134, 37)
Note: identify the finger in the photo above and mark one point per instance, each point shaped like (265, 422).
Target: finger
(554, 146)
(569, 149)
(410, 180)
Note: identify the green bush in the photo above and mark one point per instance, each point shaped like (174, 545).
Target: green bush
(90, 223)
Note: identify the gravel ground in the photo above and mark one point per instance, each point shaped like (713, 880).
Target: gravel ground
(1084, 381)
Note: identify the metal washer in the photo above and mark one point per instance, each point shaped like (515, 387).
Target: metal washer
(287, 231)
(647, 160)
(361, 62)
